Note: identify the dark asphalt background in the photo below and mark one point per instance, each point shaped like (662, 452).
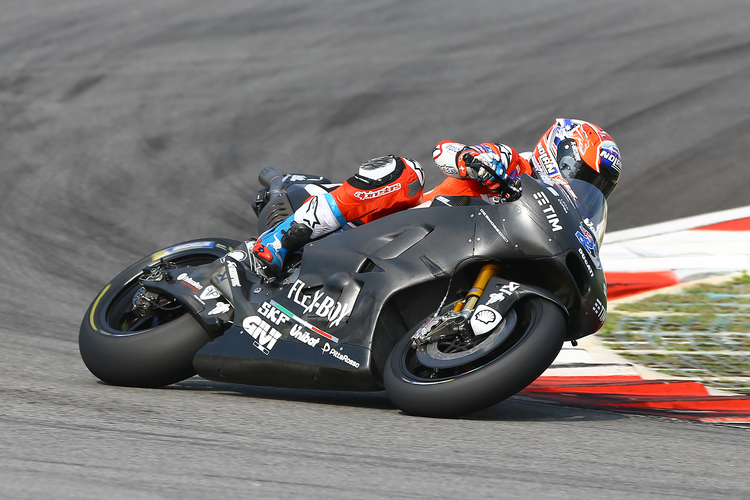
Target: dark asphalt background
(129, 126)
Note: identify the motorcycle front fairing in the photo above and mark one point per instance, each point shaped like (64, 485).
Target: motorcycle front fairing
(331, 324)
(558, 236)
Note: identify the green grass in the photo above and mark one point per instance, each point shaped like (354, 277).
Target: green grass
(693, 330)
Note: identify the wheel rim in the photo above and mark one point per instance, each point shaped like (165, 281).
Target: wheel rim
(454, 351)
(119, 318)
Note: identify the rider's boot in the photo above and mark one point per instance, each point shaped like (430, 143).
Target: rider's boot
(317, 217)
(244, 256)
(272, 247)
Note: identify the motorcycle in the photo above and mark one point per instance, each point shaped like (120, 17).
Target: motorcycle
(450, 307)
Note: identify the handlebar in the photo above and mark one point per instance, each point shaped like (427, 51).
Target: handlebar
(272, 179)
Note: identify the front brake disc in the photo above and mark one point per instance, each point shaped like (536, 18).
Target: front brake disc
(444, 354)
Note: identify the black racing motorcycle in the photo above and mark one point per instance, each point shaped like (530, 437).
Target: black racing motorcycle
(450, 307)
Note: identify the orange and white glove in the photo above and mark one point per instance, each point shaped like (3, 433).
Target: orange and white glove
(487, 163)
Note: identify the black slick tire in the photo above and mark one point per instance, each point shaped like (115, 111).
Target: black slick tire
(518, 362)
(150, 357)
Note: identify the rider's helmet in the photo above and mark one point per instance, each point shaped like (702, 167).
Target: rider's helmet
(576, 149)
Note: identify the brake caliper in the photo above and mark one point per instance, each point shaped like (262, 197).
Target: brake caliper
(144, 302)
(438, 327)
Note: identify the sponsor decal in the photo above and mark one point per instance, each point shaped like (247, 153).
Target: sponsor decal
(558, 197)
(497, 230)
(319, 304)
(449, 170)
(549, 166)
(587, 242)
(234, 279)
(327, 349)
(549, 211)
(183, 247)
(485, 316)
(302, 178)
(309, 218)
(298, 332)
(368, 195)
(189, 246)
(451, 147)
(237, 255)
(568, 190)
(563, 205)
(484, 319)
(505, 291)
(302, 322)
(417, 169)
(221, 308)
(586, 261)
(444, 155)
(273, 314)
(210, 293)
(542, 176)
(189, 282)
(600, 310)
(264, 334)
(609, 155)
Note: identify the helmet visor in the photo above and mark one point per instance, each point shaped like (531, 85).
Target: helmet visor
(570, 168)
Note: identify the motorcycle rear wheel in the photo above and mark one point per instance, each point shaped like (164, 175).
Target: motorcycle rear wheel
(506, 369)
(121, 349)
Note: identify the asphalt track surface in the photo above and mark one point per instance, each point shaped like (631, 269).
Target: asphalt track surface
(129, 126)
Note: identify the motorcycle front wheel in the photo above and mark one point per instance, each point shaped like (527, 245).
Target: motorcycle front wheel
(120, 348)
(465, 376)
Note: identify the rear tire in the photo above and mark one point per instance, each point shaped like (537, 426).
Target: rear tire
(121, 349)
(529, 350)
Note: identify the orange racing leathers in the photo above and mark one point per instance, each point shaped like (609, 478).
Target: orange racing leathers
(389, 184)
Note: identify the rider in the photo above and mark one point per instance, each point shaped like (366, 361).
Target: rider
(569, 149)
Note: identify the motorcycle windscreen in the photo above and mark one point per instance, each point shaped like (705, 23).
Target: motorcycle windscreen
(592, 205)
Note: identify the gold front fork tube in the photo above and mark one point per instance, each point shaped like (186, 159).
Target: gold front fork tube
(487, 272)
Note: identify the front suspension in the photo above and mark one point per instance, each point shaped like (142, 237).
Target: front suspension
(457, 320)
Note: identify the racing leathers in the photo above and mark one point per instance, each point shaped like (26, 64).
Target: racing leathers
(389, 184)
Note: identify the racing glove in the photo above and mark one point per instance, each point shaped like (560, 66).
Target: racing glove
(488, 164)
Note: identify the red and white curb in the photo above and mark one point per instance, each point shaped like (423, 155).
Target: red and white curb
(683, 399)
(660, 255)
(641, 260)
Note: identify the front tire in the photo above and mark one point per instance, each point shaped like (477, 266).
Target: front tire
(121, 349)
(528, 351)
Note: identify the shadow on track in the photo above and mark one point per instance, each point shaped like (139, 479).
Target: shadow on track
(514, 409)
